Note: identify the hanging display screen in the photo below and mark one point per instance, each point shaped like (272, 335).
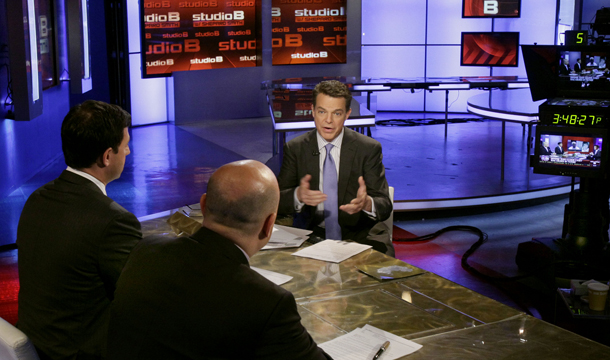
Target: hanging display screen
(309, 32)
(491, 8)
(180, 35)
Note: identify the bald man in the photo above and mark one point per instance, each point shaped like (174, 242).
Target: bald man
(197, 298)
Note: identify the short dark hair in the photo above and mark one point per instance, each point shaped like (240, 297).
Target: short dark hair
(333, 88)
(91, 128)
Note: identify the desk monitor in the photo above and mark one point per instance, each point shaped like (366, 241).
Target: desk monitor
(584, 154)
(490, 49)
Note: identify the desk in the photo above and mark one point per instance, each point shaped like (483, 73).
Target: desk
(370, 85)
(290, 110)
(513, 106)
(448, 319)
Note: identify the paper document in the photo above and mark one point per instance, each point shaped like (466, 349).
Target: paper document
(332, 250)
(284, 237)
(363, 344)
(274, 277)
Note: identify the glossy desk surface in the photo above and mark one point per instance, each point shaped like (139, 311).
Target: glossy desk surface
(451, 321)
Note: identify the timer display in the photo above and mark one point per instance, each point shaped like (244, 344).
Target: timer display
(575, 116)
(577, 120)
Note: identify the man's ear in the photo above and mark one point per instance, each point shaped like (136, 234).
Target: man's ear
(267, 228)
(104, 160)
(348, 113)
(202, 203)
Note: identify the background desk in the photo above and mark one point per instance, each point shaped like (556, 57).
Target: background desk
(448, 319)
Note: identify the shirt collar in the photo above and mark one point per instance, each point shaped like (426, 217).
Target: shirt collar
(336, 141)
(90, 177)
(246, 255)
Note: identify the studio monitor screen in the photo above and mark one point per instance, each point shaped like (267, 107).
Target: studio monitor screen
(309, 31)
(180, 35)
(491, 8)
(570, 151)
(490, 49)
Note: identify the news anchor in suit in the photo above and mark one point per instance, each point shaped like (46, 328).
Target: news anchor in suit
(73, 240)
(362, 189)
(559, 148)
(196, 297)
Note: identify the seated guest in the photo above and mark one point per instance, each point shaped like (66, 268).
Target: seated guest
(197, 298)
(545, 149)
(596, 154)
(559, 148)
(73, 240)
(333, 177)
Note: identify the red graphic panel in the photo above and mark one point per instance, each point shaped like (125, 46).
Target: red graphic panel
(491, 8)
(309, 31)
(490, 49)
(180, 35)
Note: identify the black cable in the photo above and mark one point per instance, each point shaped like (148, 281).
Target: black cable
(483, 237)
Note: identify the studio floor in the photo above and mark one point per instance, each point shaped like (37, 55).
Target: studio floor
(169, 167)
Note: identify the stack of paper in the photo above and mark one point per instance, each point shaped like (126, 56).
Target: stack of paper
(284, 237)
(332, 250)
(363, 344)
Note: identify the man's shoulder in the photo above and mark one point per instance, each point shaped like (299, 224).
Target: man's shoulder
(303, 138)
(361, 139)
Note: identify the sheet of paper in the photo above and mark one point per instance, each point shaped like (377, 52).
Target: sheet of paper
(363, 344)
(332, 250)
(274, 277)
(282, 238)
(293, 230)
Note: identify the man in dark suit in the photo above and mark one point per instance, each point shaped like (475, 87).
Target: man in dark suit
(73, 240)
(559, 148)
(545, 149)
(197, 298)
(362, 199)
(564, 68)
(578, 66)
(596, 154)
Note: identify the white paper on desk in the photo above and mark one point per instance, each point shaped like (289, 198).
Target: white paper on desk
(284, 237)
(363, 344)
(274, 277)
(332, 250)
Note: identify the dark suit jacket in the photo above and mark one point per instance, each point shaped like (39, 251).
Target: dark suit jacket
(577, 67)
(197, 298)
(73, 242)
(360, 156)
(558, 150)
(545, 150)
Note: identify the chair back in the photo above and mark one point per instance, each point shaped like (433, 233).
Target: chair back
(389, 222)
(14, 344)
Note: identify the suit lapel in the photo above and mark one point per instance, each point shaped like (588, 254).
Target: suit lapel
(312, 156)
(348, 153)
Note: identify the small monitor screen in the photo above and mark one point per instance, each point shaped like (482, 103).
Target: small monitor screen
(568, 151)
(491, 8)
(490, 49)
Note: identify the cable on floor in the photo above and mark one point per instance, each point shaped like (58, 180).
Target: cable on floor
(483, 237)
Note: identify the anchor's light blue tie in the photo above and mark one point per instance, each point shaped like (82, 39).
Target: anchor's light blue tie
(331, 205)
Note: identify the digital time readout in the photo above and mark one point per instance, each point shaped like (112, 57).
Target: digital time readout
(577, 119)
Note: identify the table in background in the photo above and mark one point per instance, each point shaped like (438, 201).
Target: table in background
(450, 320)
(514, 106)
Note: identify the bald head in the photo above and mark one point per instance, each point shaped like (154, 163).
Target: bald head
(241, 195)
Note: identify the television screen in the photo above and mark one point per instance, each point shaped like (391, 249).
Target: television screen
(578, 72)
(181, 35)
(491, 8)
(570, 151)
(490, 49)
(309, 32)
